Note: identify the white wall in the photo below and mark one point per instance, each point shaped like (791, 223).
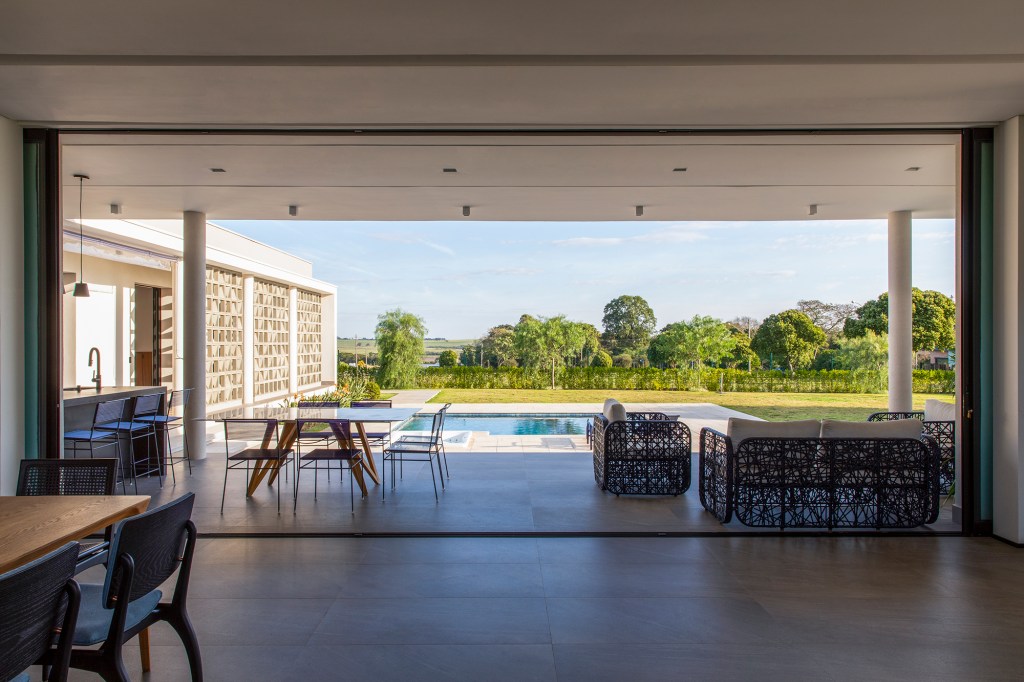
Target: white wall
(12, 342)
(1008, 460)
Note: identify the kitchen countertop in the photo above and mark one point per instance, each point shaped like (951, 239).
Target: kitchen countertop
(90, 396)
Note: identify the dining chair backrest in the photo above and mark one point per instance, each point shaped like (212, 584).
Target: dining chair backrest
(263, 431)
(67, 477)
(371, 403)
(341, 429)
(436, 426)
(108, 411)
(178, 402)
(36, 601)
(147, 405)
(319, 404)
(154, 541)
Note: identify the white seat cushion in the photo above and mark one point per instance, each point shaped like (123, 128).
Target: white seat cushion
(899, 428)
(939, 411)
(741, 429)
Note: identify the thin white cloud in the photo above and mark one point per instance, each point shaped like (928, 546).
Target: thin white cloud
(668, 236)
(411, 238)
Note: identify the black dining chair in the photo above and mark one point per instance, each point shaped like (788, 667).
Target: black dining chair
(340, 449)
(38, 608)
(146, 551)
(381, 438)
(72, 477)
(266, 435)
(417, 449)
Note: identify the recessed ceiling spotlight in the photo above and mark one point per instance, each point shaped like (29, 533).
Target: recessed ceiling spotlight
(217, 170)
(450, 170)
(681, 169)
(914, 169)
(465, 211)
(115, 209)
(639, 211)
(293, 210)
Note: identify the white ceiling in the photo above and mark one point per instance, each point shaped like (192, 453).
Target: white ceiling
(523, 66)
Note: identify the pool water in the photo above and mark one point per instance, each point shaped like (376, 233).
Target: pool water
(508, 424)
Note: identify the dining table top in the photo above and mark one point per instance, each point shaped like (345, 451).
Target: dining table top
(33, 526)
(352, 414)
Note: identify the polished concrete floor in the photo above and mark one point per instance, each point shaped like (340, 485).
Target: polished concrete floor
(601, 608)
(525, 489)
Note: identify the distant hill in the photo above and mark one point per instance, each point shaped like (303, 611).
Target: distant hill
(432, 347)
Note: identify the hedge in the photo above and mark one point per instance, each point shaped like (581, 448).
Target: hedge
(646, 378)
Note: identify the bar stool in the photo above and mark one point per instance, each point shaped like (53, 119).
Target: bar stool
(135, 428)
(173, 418)
(100, 435)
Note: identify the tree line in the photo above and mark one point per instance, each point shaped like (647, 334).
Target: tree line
(813, 335)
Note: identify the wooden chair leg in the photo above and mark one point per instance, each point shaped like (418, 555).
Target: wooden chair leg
(144, 649)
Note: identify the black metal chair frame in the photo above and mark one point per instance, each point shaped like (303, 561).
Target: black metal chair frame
(105, 412)
(417, 449)
(821, 483)
(38, 608)
(163, 423)
(381, 438)
(136, 428)
(245, 457)
(72, 477)
(944, 433)
(343, 452)
(147, 550)
(648, 453)
(424, 439)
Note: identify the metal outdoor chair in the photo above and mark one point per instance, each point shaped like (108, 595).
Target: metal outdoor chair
(266, 455)
(38, 608)
(72, 477)
(423, 439)
(97, 437)
(381, 438)
(344, 452)
(173, 418)
(140, 426)
(417, 449)
(146, 552)
(325, 434)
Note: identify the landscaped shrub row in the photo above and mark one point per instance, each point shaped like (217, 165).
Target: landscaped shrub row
(621, 378)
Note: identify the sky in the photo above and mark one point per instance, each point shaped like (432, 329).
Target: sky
(463, 277)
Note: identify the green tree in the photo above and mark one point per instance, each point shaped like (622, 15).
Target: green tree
(870, 351)
(742, 355)
(665, 349)
(448, 358)
(934, 319)
(470, 356)
(399, 347)
(499, 346)
(831, 317)
(628, 324)
(529, 343)
(623, 360)
(788, 338)
(601, 359)
(698, 341)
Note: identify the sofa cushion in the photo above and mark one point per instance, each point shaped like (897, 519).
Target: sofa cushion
(616, 413)
(606, 410)
(939, 411)
(899, 428)
(741, 429)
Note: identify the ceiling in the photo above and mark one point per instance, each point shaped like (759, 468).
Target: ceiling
(526, 66)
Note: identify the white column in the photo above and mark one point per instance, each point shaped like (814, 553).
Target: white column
(901, 353)
(194, 317)
(293, 340)
(248, 340)
(177, 308)
(1008, 339)
(329, 338)
(12, 306)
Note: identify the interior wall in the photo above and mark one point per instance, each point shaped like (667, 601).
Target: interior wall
(12, 349)
(1008, 460)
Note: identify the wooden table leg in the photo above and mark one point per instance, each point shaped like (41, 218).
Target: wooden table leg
(289, 433)
(259, 472)
(144, 649)
(368, 463)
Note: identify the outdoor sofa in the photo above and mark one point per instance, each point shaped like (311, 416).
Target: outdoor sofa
(640, 453)
(940, 423)
(825, 475)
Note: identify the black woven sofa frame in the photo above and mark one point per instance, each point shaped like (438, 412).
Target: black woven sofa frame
(944, 434)
(647, 454)
(823, 483)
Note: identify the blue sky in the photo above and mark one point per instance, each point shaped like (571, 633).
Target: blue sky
(465, 277)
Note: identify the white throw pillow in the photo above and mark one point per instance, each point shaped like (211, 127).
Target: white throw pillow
(939, 411)
(899, 428)
(606, 410)
(741, 429)
(617, 413)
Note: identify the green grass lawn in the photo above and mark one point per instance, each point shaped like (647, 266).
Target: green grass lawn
(770, 406)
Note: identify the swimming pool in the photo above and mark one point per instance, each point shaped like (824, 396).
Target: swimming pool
(508, 424)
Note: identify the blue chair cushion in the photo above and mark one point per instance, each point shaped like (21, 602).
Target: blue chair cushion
(94, 620)
(157, 419)
(123, 426)
(85, 434)
(23, 677)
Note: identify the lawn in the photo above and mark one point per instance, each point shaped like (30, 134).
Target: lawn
(770, 406)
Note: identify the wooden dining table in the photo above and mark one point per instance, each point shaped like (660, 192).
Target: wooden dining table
(33, 526)
(287, 416)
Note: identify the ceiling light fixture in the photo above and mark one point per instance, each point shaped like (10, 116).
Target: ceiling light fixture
(465, 211)
(639, 211)
(681, 169)
(450, 170)
(812, 209)
(115, 209)
(293, 210)
(217, 170)
(914, 169)
(81, 288)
